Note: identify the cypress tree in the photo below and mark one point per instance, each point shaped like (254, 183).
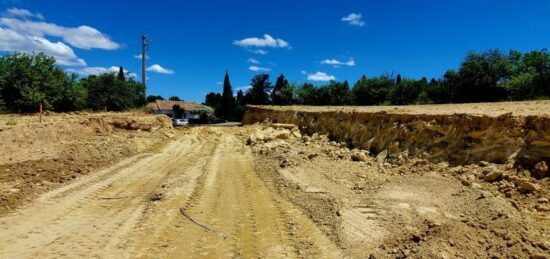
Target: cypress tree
(227, 107)
(121, 74)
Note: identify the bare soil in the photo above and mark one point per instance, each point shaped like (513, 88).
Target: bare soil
(128, 186)
(373, 208)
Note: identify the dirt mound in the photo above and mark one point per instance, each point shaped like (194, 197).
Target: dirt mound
(142, 123)
(99, 125)
(38, 157)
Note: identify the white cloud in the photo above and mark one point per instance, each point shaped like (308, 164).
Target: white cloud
(253, 61)
(259, 51)
(93, 70)
(159, 69)
(266, 42)
(303, 72)
(219, 83)
(320, 76)
(24, 13)
(11, 40)
(258, 69)
(99, 70)
(355, 19)
(337, 63)
(83, 37)
(138, 56)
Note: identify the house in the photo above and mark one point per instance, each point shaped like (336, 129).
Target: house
(167, 107)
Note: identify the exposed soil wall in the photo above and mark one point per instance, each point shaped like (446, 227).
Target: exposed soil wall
(457, 138)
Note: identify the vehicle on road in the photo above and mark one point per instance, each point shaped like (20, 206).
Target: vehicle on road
(180, 122)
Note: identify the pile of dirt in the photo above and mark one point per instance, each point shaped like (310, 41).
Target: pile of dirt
(400, 206)
(35, 158)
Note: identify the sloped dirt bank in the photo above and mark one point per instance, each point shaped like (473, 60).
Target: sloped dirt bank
(455, 138)
(35, 158)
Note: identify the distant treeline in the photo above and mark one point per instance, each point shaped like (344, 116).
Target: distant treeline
(489, 76)
(28, 80)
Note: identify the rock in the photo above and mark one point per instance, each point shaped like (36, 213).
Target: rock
(542, 200)
(484, 163)
(541, 169)
(15, 190)
(296, 133)
(358, 156)
(283, 126)
(381, 157)
(281, 134)
(475, 186)
(493, 176)
(457, 170)
(528, 187)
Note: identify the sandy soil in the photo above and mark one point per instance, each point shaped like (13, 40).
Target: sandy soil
(35, 158)
(416, 209)
(267, 191)
(197, 197)
(540, 108)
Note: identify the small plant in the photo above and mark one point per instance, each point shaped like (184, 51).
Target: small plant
(11, 123)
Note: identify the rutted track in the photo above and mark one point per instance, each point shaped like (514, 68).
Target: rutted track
(132, 209)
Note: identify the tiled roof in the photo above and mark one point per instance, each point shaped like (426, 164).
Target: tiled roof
(167, 105)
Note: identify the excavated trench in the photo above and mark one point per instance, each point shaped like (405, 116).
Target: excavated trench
(457, 138)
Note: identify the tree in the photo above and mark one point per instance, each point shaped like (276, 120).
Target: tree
(153, 98)
(307, 94)
(258, 93)
(371, 91)
(521, 87)
(406, 92)
(174, 98)
(107, 91)
(28, 80)
(398, 79)
(213, 100)
(277, 96)
(178, 111)
(121, 75)
(227, 105)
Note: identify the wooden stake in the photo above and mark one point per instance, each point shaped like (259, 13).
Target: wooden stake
(40, 111)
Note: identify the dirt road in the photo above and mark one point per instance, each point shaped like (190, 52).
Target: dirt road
(197, 197)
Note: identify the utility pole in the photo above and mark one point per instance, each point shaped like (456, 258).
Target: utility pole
(144, 45)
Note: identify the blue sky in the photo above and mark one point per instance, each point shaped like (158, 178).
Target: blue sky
(193, 43)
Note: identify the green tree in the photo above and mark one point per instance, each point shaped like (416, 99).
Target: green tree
(178, 111)
(121, 76)
(107, 91)
(371, 91)
(28, 80)
(406, 92)
(227, 105)
(307, 94)
(521, 87)
(174, 98)
(281, 87)
(258, 93)
(213, 100)
(153, 98)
